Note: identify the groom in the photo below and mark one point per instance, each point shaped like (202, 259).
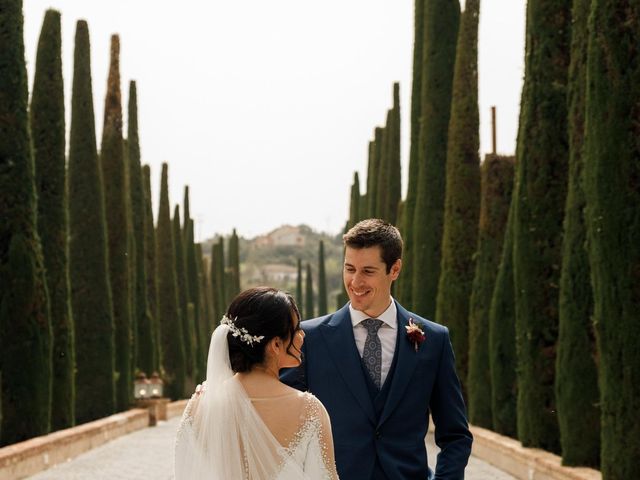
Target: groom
(379, 380)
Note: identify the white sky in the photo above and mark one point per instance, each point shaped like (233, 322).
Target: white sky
(265, 108)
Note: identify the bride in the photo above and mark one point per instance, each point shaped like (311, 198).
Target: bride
(243, 423)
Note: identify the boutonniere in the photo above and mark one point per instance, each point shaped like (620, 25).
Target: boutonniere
(415, 334)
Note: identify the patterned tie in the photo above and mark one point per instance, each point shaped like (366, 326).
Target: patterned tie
(372, 352)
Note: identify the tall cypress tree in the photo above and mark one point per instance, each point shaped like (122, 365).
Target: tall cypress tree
(502, 338)
(131, 261)
(462, 193)
(405, 281)
(391, 183)
(541, 190)
(192, 265)
(143, 321)
(382, 185)
(372, 178)
(221, 277)
(172, 345)
(218, 308)
(25, 328)
(234, 265)
(612, 190)
(299, 291)
(496, 187)
(395, 181)
(354, 206)
(198, 283)
(150, 267)
(322, 282)
(441, 19)
(188, 332)
(206, 321)
(115, 194)
(576, 384)
(365, 209)
(48, 133)
(308, 295)
(88, 255)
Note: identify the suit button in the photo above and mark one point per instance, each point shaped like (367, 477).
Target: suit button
(378, 435)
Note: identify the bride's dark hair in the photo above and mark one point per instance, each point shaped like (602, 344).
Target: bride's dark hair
(262, 311)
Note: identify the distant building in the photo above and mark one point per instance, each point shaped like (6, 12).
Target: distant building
(285, 236)
(272, 274)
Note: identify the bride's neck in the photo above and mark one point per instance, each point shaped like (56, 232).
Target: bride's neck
(267, 372)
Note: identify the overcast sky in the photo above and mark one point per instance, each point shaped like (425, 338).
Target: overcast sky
(265, 108)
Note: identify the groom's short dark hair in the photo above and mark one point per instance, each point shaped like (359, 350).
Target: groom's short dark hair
(374, 232)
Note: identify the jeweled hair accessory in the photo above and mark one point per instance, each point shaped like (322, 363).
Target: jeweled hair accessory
(241, 332)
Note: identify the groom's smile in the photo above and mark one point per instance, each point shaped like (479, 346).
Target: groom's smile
(367, 281)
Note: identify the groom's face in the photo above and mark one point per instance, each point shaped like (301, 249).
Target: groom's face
(366, 279)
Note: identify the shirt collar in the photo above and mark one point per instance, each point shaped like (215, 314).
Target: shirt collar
(389, 316)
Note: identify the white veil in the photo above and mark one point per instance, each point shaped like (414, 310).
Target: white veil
(221, 436)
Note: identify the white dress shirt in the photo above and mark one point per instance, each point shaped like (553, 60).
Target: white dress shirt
(388, 333)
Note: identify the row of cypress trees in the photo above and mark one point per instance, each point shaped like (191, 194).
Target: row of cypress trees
(91, 291)
(531, 261)
(305, 297)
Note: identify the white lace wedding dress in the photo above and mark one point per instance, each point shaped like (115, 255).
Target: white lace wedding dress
(227, 435)
(308, 453)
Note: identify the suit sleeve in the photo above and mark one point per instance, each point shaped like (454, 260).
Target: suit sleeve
(296, 377)
(448, 410)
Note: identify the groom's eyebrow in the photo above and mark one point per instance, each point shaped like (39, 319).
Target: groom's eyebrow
(366, 267)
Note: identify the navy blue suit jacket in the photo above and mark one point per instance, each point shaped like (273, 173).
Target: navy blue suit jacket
(423, 381)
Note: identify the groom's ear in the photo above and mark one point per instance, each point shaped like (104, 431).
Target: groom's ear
(395, 269)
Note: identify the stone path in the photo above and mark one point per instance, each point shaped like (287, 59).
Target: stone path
(148, 454)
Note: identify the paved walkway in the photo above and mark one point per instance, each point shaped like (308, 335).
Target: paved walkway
(148, 453)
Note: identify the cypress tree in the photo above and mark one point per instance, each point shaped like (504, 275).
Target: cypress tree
(576, 383)
(143, 321)
(537, 236)
(382, 186)
(308, 298)
(322, 283)
(150, 268)
(115, 194)
(221, 277)
(299, 295)
(218, 308)
(88, 254)
(391, 182)
(496, 186)
(612, 190)
(502, 338)
(48, 133)
(362, 207)
(462, 193)
(395, 181)
(405, 284)
(193, 273)
(131, 262)
(374, 208)
(354, 206)
(233, 264)
(369, 181)
(441, 19)
(188, 332)
(207, 322)
(25, 328)
(169, 324)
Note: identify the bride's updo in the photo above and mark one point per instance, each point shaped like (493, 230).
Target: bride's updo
(262, 312)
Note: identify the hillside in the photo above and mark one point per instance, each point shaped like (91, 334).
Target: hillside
(271, 259)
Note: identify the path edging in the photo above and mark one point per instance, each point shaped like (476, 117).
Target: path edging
(27, 458)
(523, 463)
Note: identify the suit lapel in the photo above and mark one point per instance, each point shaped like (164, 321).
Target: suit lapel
(338, 335)
(405, 365)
